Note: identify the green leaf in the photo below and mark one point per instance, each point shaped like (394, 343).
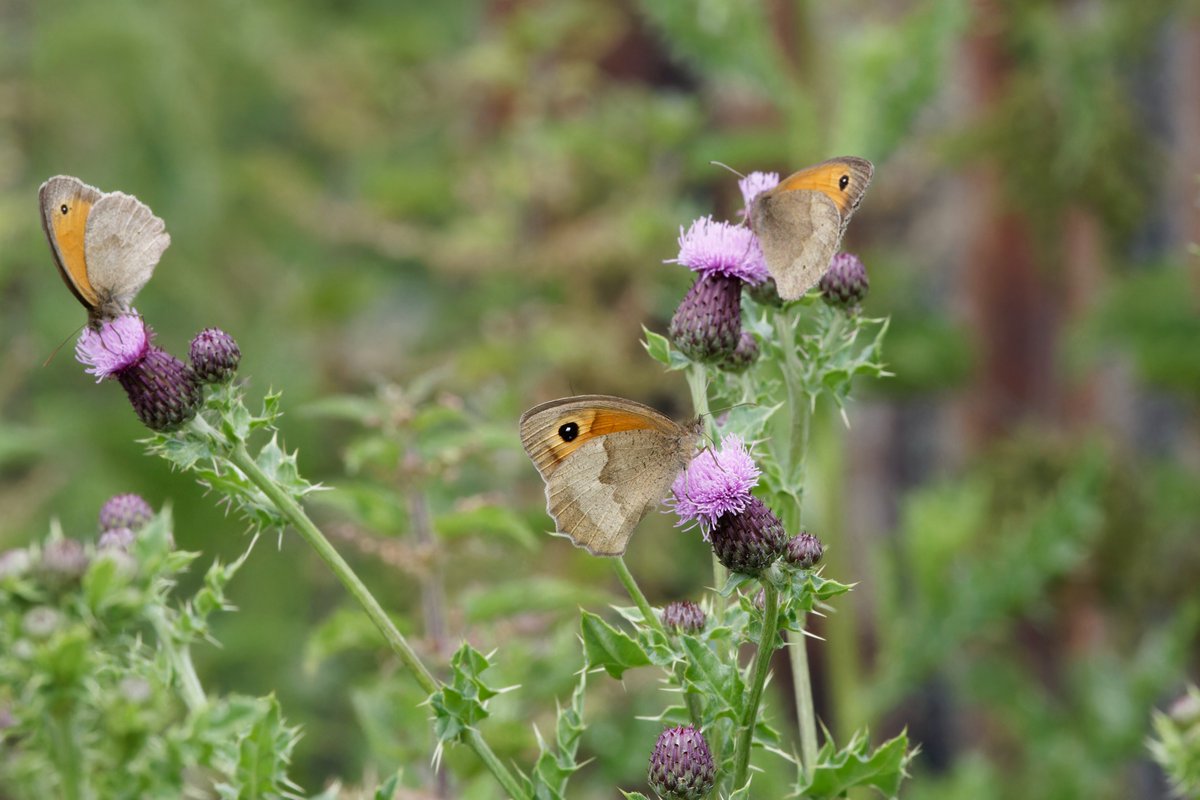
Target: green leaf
(605, 646)
(714, 677)
(836, 773)
(462, 704)
(658, 346)
(487, 521)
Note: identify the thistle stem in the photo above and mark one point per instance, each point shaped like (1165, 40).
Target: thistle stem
(68, 755)
(762, 664)
(180, 656)
(358, 590)
(697, 378)
(652, 619)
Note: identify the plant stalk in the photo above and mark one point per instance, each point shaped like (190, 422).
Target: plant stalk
(358, 590)
(762, 664)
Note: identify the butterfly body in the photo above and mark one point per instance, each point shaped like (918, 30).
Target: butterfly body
(606, 462)
(105, 244)
(800, 222)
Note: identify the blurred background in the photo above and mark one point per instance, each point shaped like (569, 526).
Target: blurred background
(419, 219)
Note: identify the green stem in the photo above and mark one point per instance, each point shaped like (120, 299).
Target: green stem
(697, 379)
(180, 656)
(358, 590)
(762, 664)
(805, 713)
(652, 619)
(68, 756)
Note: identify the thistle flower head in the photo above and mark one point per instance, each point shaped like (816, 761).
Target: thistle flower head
(845, 283)
(755, 184)
(803, 550)
(707, 325)
(715, 483)
(750, 540)
(215, 355)
(162, 389)
(125, 511)
(719, 248)
(681, 766)
(684, 616)
(63, 562)
(119, 345)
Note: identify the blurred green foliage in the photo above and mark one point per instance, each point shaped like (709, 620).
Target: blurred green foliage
(365, 192)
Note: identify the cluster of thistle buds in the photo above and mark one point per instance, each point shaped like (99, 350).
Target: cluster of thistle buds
(726, 257)
(164, 392)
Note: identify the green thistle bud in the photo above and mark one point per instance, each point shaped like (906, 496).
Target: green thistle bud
(681, 767)
(765, 293)
(743, 356)
(748, 541)
(803, 551)
(215, 355)
(683, 616)
(845, 284)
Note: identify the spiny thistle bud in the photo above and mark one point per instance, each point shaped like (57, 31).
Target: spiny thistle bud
(803, 550)
(743, 356)
(163, 390)
(40, 622)
(125, 511)
(116, 539)
(63, 562)
(748, 541)
(765, 293)
(681, 767)
(845, 283)
(683, 616)
(708, 323)
(215, 355)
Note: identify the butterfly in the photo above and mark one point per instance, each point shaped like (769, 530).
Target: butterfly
(606, 462)
(799, 223)
(105, 244)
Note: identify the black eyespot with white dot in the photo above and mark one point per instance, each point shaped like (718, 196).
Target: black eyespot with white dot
(843, 182)
(63, 208)
(568, 431)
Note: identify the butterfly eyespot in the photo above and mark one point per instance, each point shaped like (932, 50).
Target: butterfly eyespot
(63, 208)
(843, 182)
(568, 431)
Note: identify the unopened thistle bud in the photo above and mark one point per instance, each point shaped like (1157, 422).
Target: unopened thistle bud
(708, 322)
(63, 562)
(116, 539)
(803, 550)
(743, 356)
(681, 767)
(163, 390)
(683, 616)
(750, 540)
(215, 355)
(125, 511)
(845, 284)
(765, 293)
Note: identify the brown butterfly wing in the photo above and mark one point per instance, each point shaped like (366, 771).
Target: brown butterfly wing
(605, 474)
(124, 241)
(65, 231)
(799, 232)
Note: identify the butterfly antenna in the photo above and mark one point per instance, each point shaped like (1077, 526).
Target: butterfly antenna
(54, 352)
(726, 166)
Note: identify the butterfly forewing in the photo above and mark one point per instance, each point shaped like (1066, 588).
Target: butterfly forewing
(66, 203)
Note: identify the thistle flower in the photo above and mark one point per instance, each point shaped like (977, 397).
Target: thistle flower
(709, 247)
(743, 356)
(162, 389)
(845, 284)
(119, 345)
(215, 355)
(803, 550)
(715, 484)
(750, 540)
(681, 766)
(125, 511)
(63, 561)
(683, 616)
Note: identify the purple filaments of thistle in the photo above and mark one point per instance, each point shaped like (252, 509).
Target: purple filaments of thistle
(715, 483)
(119, 345)
(755, 184)
(125, 511)
(709, 247)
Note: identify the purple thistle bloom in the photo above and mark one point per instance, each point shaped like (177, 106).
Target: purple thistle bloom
(755, 184)
(118, 345)
(683, 615)
(715, 484)
(719, 248)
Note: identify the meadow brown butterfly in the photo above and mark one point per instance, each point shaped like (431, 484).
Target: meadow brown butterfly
(799, 223)
(607, 462)
(106, 244)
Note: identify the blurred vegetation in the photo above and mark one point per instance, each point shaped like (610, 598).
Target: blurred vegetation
(419, 219)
